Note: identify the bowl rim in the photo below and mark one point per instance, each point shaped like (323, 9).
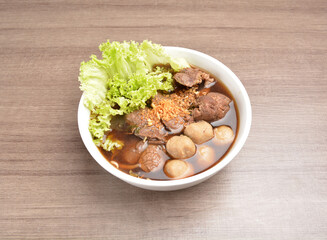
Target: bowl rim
(85, 134)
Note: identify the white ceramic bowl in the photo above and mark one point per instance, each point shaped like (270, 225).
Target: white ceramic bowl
(240, 95)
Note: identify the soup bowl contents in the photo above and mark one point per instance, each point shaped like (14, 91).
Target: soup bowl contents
(159, 121)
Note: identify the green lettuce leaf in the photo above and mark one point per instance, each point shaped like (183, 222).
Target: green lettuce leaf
(93, 79)
(122, 81)
(156, 54)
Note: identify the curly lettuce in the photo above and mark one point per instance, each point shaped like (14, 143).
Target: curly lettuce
(122, 81)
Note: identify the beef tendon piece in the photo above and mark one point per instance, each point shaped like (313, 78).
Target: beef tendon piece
(152, 158)
(211, 107)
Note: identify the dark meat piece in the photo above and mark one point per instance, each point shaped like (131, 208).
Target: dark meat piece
(134, 119)
(152, 159)
(188, 77)
(220, 98)
(175, 125)
(192, 76)
(212, 107)
(141, 128)
(152, 133)
(131, 153)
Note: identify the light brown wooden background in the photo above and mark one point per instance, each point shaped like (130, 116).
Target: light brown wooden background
(276, 188)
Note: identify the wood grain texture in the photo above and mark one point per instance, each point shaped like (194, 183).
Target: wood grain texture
(276, 188)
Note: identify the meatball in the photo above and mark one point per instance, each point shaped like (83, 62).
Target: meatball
(206, 156)
(223, 135)
(152, 159)
(177, 169)
(180, 147)
(199, 132)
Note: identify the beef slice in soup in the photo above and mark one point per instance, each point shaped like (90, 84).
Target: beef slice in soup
(143, 129)
(211, 107)
(190, 77)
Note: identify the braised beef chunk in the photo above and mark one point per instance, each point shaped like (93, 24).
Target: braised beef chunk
(206, 110)
(212, 107)
(134, 119)
(192, 76)
(152, 158)
(175, 125)
(152, 133)
(188, 77)
(219, 97)
(142, 129)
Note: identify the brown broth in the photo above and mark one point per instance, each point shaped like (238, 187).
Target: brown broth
(130, 140)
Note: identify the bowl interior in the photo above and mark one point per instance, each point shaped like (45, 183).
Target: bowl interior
(245, 116)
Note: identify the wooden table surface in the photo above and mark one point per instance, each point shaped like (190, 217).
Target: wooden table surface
(276, 188)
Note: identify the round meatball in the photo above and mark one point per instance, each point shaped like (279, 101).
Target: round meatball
(206, 156)
(223, 135)
(177, 169)
(199, 132)
(152, 159)
(180, 147)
